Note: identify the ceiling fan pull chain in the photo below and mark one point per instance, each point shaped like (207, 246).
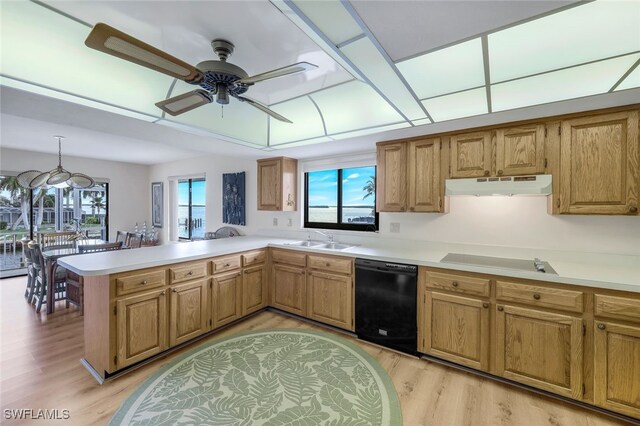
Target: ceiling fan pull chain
(222, 111)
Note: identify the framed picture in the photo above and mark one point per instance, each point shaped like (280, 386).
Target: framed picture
(156, 204)
(233, 199)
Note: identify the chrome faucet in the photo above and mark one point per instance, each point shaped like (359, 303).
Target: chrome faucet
(329, 236)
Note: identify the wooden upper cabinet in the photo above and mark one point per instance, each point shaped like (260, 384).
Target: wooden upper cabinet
(277, 184)
(424, 175)
(520, 150)
(188, 311)
(617, 367)
(540, 349)
(471, 154)
(391, 177)
(599, 164)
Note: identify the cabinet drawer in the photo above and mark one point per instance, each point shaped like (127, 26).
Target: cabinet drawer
(132, 283)
(567, 300)
(289, 257)
(187, 271)
(226, 263)
(459, 283)
(617, 307)
(253, 258)
(333, 264)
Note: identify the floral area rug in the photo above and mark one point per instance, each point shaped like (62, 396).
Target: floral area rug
(273, 377)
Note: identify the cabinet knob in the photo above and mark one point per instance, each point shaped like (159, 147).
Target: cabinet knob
(174, 290)
(455, 283)
(163, 293)
(402, 208)
(485, 305)
(486, 172)
(536, 296)
(226, 265)
(412, 208)
(190, 273)
(501, 308)
(500, 172)
(143, 282)
(633, 209)
(601, 326)
(327, 264)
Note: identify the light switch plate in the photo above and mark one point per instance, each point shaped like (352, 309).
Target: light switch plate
(289, 222)
(275, 221)
(395, 227)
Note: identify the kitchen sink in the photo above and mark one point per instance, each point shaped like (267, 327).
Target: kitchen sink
(305, 244)
(335, 246)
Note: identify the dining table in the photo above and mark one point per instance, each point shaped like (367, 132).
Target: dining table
(51, 256)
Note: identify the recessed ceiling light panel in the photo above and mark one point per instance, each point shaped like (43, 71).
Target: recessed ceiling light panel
(457, 105)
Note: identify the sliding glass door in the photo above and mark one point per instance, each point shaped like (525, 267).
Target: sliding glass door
(24, 213)
(191, 209)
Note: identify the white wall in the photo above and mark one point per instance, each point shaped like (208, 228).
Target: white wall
(129, 190)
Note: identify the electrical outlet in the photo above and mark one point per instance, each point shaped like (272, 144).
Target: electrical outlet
(275, 221)
(395, 227)
(290, 222)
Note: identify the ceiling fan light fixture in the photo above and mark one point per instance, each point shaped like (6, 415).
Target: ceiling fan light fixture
(25, 178)
(222, 95)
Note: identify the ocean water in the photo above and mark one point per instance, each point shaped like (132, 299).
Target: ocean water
(349, 214)
(198, 216)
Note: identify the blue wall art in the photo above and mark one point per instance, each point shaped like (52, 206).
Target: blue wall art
(233, 199)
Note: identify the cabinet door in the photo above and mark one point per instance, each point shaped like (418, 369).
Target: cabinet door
(226, 302)
(471, 155)
(270, 184)
(288, 289)
(141, 327)
(254, 290)
(424, 176)
(599, 164)
(457, 329)
(330, 299)
(617, 367)
(520, 150)
(391, 178)
(188, 311)
(540, 349)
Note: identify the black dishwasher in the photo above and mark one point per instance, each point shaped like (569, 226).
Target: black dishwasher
(386, 304)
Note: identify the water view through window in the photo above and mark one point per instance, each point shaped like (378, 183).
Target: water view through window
(191, 208)
(341, 199)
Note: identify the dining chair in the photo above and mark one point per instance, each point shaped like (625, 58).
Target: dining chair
(59, 279)
(75, 290)
(134, 240)
(96, 248)
(31, 272)
(121, 236)
(47, 239)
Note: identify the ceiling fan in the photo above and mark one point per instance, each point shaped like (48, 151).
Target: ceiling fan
(218, 79)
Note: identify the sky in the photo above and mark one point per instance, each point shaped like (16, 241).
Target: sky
(197, 193)
(323, 187)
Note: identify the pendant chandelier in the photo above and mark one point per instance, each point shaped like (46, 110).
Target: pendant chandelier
(58, 177)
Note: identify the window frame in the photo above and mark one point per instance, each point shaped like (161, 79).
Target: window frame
(362, 227)
(190, 205)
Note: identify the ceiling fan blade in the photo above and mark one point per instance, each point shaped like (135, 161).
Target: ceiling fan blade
(291, 69)
(185, 102)
(114, 42)
(263, 108)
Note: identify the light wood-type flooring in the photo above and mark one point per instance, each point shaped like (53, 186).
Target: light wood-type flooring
(40, 369)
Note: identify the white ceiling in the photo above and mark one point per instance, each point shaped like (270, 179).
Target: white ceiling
(269, 35)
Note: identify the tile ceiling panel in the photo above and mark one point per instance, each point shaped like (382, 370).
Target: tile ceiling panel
(556, 86)
(454, 68)
(331, 18)
(581, 34)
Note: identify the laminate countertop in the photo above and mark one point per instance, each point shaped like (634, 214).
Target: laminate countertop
(610, 271)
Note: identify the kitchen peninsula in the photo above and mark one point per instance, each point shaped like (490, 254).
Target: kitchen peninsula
(138, 305)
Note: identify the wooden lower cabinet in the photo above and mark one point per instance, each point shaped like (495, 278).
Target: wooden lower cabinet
(226, 298)
(330, 299)
(456, 328)
(540, 349)
(254, 290)
(617, 367)
(288, 289)
(188, 315)
(141, 323)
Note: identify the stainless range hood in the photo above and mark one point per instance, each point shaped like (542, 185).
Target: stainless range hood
(512, 185)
